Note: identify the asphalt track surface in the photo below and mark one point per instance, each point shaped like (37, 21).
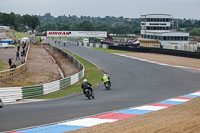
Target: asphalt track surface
(134, 83)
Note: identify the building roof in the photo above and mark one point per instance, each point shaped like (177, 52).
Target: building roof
(156, 16)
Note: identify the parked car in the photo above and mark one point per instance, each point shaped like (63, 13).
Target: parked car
(1, 103)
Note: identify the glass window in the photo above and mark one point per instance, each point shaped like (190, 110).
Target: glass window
(185, 38)
(164, 20)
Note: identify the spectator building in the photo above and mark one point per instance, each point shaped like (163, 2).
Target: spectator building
(160, 27)
(4, 27)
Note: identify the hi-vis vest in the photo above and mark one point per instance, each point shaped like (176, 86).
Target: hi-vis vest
(105, 79)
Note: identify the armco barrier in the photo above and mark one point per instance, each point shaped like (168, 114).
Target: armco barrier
(159, 50)
(12, 94)
(96, 45)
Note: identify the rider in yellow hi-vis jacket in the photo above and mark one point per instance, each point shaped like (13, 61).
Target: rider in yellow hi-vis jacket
(106, 79)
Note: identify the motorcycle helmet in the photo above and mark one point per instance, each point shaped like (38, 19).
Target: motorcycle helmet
(85, 80)
(104, 75)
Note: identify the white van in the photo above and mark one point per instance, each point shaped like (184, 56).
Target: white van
(85, 40)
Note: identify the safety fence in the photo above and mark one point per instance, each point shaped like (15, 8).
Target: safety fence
(7, 74)
(96, 45)
(12, 94)
(184, 47)
(160, 51)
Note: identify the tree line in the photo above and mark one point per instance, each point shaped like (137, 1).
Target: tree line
(19, 22)
(115, 25)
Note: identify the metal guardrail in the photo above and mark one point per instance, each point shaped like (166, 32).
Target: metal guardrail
(160, 51)
(6, 74)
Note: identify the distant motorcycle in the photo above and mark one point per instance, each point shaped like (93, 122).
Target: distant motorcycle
(89, 94)
(107, 85)
(1, 103)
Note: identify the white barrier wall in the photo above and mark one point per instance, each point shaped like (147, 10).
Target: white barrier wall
(11, 94)
(51, 87)
(74, 78)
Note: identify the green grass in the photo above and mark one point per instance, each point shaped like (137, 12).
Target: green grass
(63, 38)
(18, 35)
(37, 38)
(92, 74)
(111, 50)
(3, 65)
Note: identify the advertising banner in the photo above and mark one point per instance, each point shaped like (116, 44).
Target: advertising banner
(76, 34)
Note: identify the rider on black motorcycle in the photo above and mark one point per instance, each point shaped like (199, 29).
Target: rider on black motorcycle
(106, 79)
(86, 85)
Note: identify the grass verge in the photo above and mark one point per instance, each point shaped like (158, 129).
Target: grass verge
(111, 50)
(22, 81)
(92, 74)
(37, 38)
(3, 65)
(18, 35)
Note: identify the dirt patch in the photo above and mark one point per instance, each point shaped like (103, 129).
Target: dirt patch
(66, 66)
(184, 118)
(40, 68)
(167, 59)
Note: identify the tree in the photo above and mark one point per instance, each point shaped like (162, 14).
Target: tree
(86, 26)
(34, 22)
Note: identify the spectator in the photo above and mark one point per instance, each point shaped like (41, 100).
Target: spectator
(17, 55)
(10, 62)
(22, 54)
(23, 46)
(13, 66)
(18, 48)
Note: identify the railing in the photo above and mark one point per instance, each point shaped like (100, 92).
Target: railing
(160, 51)
(12, 94)
(96, 45)
(6, 74)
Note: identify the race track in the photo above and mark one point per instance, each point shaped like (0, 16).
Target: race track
(134, 83)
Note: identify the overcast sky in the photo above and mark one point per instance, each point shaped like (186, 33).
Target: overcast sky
(101, 8)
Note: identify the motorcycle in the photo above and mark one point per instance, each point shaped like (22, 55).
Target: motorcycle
(89, 94)
(1, 103)
(107, 85)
